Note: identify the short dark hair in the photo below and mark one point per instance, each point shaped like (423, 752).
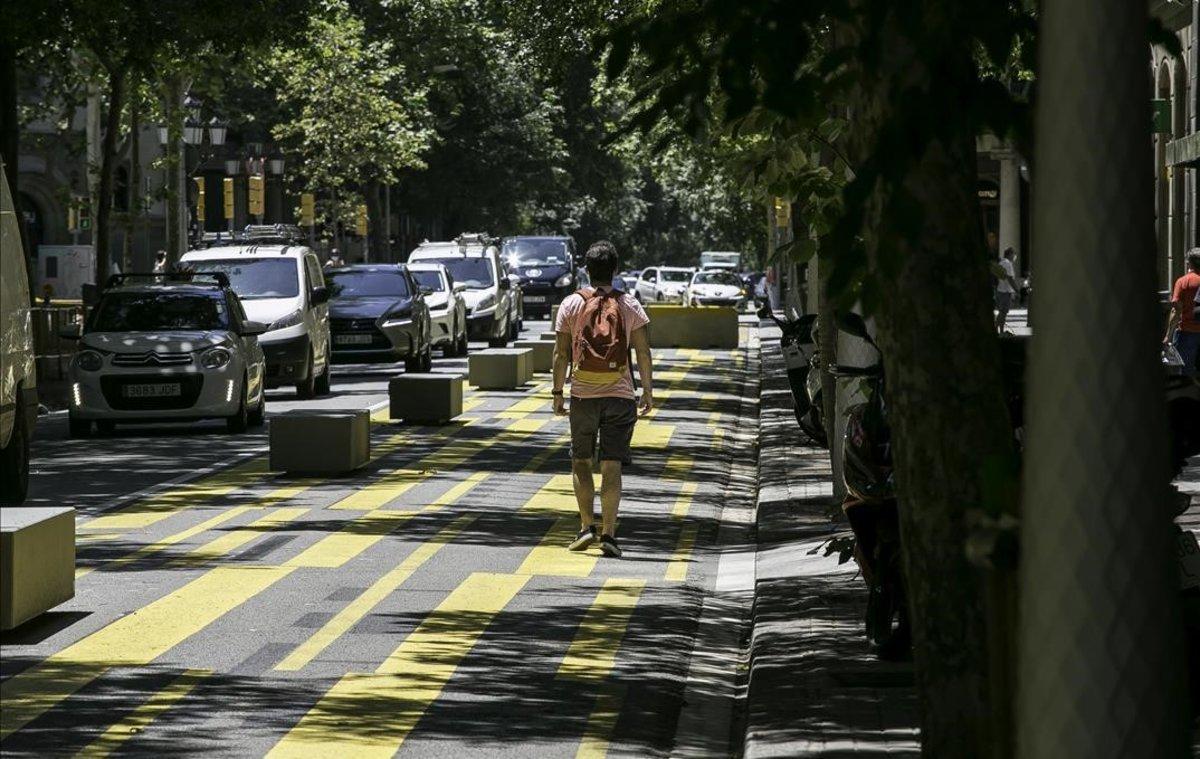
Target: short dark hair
(1193, 259)
(602, 261)
(1009, 252)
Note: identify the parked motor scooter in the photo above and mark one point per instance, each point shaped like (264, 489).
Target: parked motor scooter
(802, 359)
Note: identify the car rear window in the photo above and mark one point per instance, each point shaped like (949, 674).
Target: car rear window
(430, 279)
(367, 284)
(254, 278)
(147, 312)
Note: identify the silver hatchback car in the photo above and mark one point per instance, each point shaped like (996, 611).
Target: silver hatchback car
(166, 348)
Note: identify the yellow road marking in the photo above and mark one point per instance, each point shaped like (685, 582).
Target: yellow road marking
(371, 715)
(97, 537)
(133, 640)
(683, 502)
(557, 496)
(677, 567)
(235, 539)
(367, 530)
(551, 557)
(652, 435)
(601, 722)
(371, 597)
(471, 403)
(137, 720)
(535, 463)
(593, 652)
(147, 511)
(678, 467)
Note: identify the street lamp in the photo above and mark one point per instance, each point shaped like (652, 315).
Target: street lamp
(192, 105)
(275, 165)
(217, 130)
(193, 132)
(232, 166)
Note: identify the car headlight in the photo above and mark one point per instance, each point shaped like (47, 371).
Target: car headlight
(563, 281)
(397, 316)
(215, 358)
(89, 361)
(486, 301)
(291, 320)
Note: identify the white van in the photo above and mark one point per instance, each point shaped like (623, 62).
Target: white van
(18, 372)
(280, 285)
(492, 293)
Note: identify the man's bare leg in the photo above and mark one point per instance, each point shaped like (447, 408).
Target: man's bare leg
(610, 496)
(585, 491)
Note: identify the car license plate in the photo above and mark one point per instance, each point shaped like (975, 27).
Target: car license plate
(353, 339)
(535, 298)
(153, 390)
(1189, 560)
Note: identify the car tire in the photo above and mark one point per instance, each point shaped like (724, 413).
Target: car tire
(322, 384)
(450, 349)
(308, 387)
(463, 347)
(14, 464)
(240, 421)
(78, 428)
(258, 417)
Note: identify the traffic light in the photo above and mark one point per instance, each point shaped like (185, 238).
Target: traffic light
(308, 211)
(257, 193)
(200, 209)
(360, 224)
(227, 194)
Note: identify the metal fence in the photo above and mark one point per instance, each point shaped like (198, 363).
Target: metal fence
(53, 352)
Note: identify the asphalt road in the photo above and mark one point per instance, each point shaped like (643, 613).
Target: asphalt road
(423, 606)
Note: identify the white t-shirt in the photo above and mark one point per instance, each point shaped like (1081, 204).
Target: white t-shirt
(1005, 285)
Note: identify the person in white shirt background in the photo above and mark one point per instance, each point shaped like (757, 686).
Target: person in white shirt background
(1006, 289)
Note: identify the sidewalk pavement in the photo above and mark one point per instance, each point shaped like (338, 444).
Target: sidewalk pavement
(814, 687)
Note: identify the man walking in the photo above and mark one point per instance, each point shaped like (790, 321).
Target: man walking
(1184, 305)
(596, 328)
(1006, 289)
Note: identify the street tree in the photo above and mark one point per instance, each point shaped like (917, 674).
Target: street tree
(908, 246)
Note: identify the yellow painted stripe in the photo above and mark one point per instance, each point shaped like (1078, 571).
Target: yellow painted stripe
(140, 718)
(371, 597)
(593, 652)
(557, 496)
(678, 467)
(471, 404)
(677, 566)
(652, 435)
(235, 539)
(683, 502)
(367, 530)
(131, 641)
(148, 511)
(371, 715)
(601, 722)
(97, 537)
(538, 461)
(551, 557)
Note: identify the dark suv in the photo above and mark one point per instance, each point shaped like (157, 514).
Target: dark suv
(547, 268)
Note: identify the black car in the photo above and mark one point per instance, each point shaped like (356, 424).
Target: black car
(377, 312)
(547, 268)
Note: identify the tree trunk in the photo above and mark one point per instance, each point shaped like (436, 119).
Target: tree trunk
(108, 153)
(173, 97)
(134, 215)
(374, 221)
(951, 431)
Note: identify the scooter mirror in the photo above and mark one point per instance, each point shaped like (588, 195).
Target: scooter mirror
(853, 324)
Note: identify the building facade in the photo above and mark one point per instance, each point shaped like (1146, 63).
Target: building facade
(1176, 141)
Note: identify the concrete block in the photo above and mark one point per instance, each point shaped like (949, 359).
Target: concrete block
(37, 561)
(674, 326)
(435, 398)
(543, 353)
(549, 336)
(500, 368)
(320, 441)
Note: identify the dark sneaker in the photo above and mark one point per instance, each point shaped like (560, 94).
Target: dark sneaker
(609, 547)
(585, 538)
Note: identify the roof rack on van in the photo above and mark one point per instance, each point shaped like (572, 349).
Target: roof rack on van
(284, 234)
(219, 278)
(217, 239)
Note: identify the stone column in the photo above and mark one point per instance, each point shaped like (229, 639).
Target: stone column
(1010, 206)
(1100, 658)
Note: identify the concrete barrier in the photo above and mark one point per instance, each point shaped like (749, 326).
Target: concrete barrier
(37, 561)
(500, 368)
(320, 442)
(429, 398)
(543, 353)
(549, 336)
(692, 326)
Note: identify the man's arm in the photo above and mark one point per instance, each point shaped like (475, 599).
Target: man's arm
(562, 359)
(641, 344)
(1172, 320)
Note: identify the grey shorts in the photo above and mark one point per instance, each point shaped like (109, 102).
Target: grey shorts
(613, 418)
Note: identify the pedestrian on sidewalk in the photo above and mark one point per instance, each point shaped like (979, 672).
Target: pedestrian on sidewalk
(1006, 289)
(596, 328)
(160, 262)
(1184, 304)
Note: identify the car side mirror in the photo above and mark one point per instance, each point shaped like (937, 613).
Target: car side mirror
(71, 332)
(459, 287)
(252, 328)
(318, 295)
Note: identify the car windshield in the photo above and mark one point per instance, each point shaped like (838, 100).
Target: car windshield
(430, 279)
(536, 252)
(717, 278)
(475, 273)
(680, 275)
(367, 284)
(147, 312)
(254, 278)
